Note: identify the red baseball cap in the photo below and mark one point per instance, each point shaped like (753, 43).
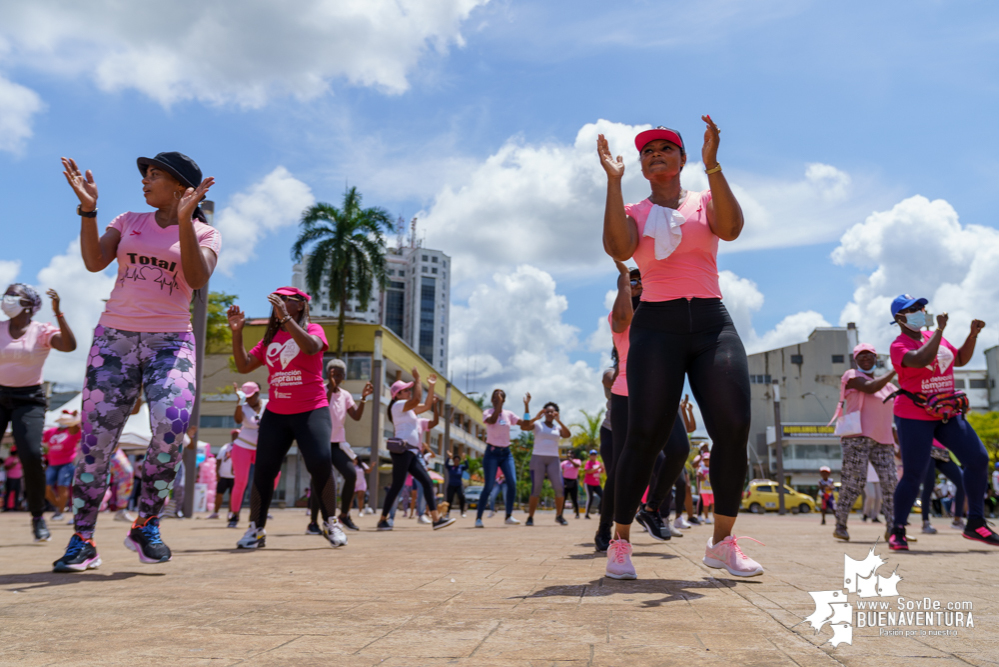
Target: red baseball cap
(658, 133)
(292, 291)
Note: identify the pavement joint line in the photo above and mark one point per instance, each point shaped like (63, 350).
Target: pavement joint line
(273, 648)
(483, 641)
(400, 625)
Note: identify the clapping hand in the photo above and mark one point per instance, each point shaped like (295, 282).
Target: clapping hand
(613, 166)
(279, 308)
(236, 318)
(191, 198)
(709, 152)
(83, 185)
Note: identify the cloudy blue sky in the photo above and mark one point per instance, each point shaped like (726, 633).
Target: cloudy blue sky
(860, 138)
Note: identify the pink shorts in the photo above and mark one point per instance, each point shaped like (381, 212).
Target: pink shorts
(708, 499)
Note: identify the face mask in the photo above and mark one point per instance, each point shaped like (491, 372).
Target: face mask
(918, 320)
(870, 372)
(11, 305)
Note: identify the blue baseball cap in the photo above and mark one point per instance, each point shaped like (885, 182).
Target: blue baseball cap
(903, 301)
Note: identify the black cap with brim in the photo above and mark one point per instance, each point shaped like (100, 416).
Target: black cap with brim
(178, 165)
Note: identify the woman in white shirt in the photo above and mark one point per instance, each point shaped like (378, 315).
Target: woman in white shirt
(244, 451)
(402, 412)
(548, 430)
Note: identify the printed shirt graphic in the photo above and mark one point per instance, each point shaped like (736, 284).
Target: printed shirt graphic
(150, 293)
(21, 359)
(498, 434)
(592, 470)
(340, 402)
(295, 379)
(937, 378)
(62, 445)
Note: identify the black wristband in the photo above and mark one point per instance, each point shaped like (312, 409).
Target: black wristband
(85, 214)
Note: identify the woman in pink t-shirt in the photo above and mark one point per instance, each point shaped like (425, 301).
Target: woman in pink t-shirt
(682, 329)
(925, 365)
(143, 341)
(297, 410)
(861, 392)
(24, 346)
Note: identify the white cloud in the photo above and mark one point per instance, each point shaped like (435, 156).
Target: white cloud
(82, 295)
(8, 271)
(18, 105)
(543, 204)
(243, 52)
(276, 201)
(920, 247)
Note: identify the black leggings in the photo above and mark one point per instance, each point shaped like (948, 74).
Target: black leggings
(311, 430)
(408, 462)
(611, 445)
(24, 409)
(669, 465)
(669, 339)
(679, 496)
(572, 491)
(951, 471)
(451, 492)
(345, 467)
(594, 491)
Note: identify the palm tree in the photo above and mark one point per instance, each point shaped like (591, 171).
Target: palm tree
(347, 252)
(588, 436)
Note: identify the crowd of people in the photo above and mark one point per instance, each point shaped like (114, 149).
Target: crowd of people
(669, 329)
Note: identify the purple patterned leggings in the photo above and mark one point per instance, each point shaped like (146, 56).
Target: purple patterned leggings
(120, 365)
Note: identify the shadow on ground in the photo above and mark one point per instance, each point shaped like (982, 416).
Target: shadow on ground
(27, 582)
(673, 590)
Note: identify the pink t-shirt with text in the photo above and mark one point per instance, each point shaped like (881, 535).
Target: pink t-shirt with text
(150, 293)
(62, 445)
(21, 359)
(592, 470)
(498, 434)
(621, 344)
(937, 378)
(875, 416)
(691, 270)
(570, 471)
(340, 402)
(294, 379)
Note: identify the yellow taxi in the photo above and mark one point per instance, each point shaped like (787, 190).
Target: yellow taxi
(761, 496)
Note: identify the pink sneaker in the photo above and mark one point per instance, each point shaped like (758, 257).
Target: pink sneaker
(619, 561)
(727, 554)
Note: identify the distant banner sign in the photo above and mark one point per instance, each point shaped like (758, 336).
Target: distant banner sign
(808, 431)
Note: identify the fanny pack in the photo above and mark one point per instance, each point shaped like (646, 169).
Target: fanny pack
(939, 406)
(397, 445)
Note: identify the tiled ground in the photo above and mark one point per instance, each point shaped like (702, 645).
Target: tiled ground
(505, 595)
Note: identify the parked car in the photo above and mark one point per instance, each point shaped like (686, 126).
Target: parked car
(472, 495)
(761, 496)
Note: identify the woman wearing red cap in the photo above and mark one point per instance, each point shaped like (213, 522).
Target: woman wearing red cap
(402, 412)
(298, 411)
(866, 434)
(680, 329)
(249, 410)
(143, 342)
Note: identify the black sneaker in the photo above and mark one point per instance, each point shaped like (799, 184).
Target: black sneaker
(981, 531)
(601, 541)
(347, 523)
(530, 521)
(81, 555)
(40, 530)
(233, 520)
(693, 521)
(313, 529)
(443, 523)
(384, 525)
(897, 540)
(841, 533)
(560, 520)
(653, 523)
(144, 539)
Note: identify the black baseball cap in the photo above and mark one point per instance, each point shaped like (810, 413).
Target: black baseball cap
(178, 165)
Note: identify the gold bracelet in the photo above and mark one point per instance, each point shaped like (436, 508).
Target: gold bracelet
(713, 170)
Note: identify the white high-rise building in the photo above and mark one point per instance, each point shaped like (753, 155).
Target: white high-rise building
(416, 303)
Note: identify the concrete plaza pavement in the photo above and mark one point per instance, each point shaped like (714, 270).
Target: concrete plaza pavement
(503, 595)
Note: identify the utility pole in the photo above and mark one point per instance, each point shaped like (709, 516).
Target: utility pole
(376, 418)
(447, 422)
(778, 431)
(200, 326)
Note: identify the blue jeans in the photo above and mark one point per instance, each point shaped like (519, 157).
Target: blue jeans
(915, 438)
(498, 458)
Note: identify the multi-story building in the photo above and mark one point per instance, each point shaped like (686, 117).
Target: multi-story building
(415, 304)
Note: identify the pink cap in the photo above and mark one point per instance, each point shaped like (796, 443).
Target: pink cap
(399, 386)
(864, 347)
(825, 469)
(292, 291)
(250, 388)
(658, 133)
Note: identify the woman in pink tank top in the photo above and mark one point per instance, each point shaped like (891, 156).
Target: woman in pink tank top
(681, 329)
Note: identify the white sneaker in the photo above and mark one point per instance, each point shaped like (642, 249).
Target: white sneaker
(123, 515)
(479, 524)
(727, 555)
(681, 523)
(213, 515)
(958, 523)
(462, 515)
(709, 520)
(57, 516)
(510, 521)
(334, 533)
(674, 531)
(253, 538)
(619, 561)
(425, 519)
(491, 515)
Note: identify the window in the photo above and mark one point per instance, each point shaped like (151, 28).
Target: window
(837, 359)
(442, 340)
(425, 258)
(759, 379)
(217, 421)
(424, 269)
(433, 259)
(442, 330)
(992, 383)
(428, 292)
(958, 383)
(433, 270)
(444, 262)
(394, 285)
(797, 359)
(976, 383)
(359, 367)
(391, 272)
(395, 307)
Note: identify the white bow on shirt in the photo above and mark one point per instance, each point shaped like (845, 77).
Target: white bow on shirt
(663, 225)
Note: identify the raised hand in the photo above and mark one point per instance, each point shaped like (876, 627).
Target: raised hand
(83, 184)
(416, 374)
(367, 391)
(709, 152)
(432, 380)
(55, 303)
(942, 319)
(236, 318)
(613, 166)
(279, 307)
(976, 327)
(191, 198)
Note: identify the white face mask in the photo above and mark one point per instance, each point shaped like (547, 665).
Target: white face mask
(917, 320)
(11, 305)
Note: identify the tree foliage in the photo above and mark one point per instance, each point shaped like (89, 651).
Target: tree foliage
(588, 435)
(986, 425)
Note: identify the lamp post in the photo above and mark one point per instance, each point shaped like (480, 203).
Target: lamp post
(376, 418)
(778, 432)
